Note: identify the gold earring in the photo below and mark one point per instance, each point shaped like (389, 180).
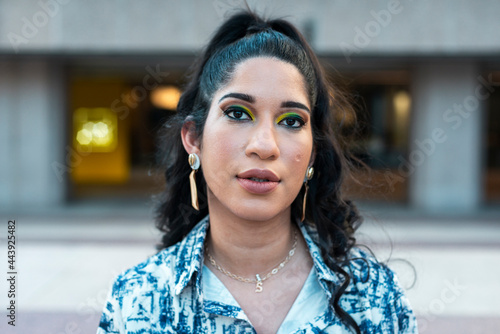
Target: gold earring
(309, 175)
(194, 162)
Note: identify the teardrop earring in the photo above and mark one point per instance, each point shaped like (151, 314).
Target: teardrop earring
(194, 162)
(309, 175)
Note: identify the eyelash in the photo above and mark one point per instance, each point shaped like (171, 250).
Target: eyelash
(293, 117)
(284, 117)
(232, 109)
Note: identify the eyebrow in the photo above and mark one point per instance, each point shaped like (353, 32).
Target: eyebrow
(293, 104)
(239, 96)
(251, 99)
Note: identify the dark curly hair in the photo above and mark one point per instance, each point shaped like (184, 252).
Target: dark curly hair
(245, 35)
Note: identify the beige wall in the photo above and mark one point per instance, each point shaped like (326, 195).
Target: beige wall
(341, 27)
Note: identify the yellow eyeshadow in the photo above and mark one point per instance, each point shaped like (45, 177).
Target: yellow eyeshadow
(246, 110)
(285, 115)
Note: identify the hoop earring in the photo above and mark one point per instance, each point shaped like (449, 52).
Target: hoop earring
(309, 175)
(194, 162)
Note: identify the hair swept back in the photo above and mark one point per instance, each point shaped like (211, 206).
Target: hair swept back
(242, 36)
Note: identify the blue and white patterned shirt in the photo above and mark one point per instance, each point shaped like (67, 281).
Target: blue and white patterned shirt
(173, 292)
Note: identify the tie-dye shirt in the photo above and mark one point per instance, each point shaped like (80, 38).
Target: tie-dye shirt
(173, 292)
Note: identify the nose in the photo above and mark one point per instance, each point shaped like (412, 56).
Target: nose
(262, 142)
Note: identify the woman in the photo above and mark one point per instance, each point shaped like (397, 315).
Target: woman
(267, 246)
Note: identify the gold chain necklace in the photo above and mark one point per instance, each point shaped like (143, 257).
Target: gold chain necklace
(258, 281)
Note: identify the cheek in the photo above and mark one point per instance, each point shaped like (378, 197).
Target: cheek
(220, 142)
(220, 151)
(299, 152)
(299, 157)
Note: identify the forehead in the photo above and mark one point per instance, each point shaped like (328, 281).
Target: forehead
(266, 77)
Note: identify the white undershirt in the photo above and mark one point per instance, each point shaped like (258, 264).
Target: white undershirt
(309, 304)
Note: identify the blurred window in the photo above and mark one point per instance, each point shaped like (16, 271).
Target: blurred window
(492, 179)
(383, 107)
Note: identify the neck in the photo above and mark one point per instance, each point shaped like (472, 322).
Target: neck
(245, 247)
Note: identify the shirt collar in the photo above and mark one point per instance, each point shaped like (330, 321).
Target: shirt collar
(190, 256)
(191, 251)
(325, 274)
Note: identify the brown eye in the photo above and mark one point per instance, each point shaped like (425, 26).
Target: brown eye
(293, 122)
(237, 113)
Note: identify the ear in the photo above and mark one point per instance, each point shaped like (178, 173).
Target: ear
(190, 139)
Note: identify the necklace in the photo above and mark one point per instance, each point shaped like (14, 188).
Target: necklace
(258, 281)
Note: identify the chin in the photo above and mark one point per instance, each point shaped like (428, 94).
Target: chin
(251, 207)
(256, 213)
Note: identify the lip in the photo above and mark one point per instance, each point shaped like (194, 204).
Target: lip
(260, 174)
(256, 187)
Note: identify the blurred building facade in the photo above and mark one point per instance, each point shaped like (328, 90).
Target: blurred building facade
(84, 85)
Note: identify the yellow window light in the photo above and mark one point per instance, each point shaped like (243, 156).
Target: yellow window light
(96, 130)
(166, 97)
(402, 103)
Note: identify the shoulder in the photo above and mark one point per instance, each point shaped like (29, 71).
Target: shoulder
(371, 278)
(375, 295)
(150, 274)
(364, 268)
(161, 272)
(133, 297)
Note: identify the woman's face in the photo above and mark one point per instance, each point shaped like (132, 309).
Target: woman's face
(257, 141)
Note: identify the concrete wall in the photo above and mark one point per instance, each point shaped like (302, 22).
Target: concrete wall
(341, 27)
(445, 153)
(31, 133)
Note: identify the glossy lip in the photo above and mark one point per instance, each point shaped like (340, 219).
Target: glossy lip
(256, 187)
(260, 174)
